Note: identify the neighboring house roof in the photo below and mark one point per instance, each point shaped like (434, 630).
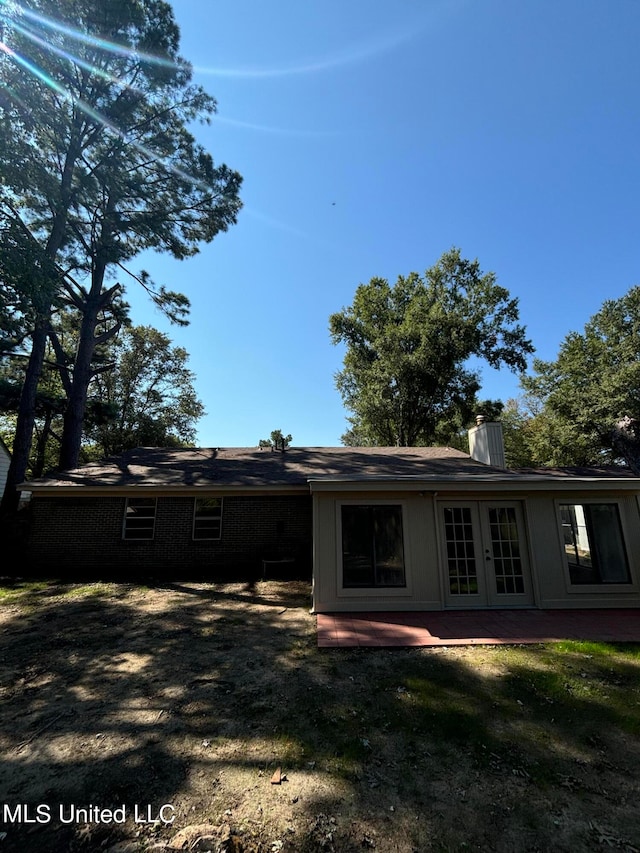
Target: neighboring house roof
(299, 468)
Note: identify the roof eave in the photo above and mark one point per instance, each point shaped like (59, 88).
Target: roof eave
(477, 482)
(64, 490)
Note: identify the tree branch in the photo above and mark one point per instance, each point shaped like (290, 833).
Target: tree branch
(62, 365)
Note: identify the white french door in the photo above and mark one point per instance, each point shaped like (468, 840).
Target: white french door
(485, 554)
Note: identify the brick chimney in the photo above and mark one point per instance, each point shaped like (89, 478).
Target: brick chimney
(486, 443)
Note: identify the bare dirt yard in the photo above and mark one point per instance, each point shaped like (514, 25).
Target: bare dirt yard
(204, 717)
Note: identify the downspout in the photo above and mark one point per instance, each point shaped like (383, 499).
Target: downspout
(314, 559)
(440, 563)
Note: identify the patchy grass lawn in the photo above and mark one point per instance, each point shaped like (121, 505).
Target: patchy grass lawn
(193, 695)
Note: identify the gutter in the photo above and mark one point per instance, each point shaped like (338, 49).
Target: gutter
(62, 490)
(477, 483)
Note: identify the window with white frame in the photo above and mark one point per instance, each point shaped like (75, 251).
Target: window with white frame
(372, 546)
(139, 518)
(593, 543)
(207, 518)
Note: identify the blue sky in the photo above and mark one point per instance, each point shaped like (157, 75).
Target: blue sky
(373, 135)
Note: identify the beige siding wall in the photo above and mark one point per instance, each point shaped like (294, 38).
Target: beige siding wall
(547, 550)
(423, 562)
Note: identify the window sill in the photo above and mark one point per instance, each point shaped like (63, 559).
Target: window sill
(375, 592)
(602, 589)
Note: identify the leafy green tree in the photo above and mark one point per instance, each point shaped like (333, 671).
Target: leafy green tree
(453, 431)
(142, 395)
(406, 372)
(96, 151)
(520, 431)
(25, 274)
(278, 440)
(589, 396)
(29, 280)
(49, 408)
(148, 396)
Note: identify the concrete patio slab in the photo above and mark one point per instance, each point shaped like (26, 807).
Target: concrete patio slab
(476, 627)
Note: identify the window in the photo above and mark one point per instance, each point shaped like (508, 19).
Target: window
(461, 551)
(207, 518)
(505, 549)
(593, 544)
(372, 546)
(139, 518)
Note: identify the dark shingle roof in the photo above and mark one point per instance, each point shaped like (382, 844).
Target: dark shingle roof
(605, 471)
(251, 467)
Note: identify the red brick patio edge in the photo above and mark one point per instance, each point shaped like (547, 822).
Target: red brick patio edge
(476, 627)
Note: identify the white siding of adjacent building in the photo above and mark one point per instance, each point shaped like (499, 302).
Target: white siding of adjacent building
(4, 466)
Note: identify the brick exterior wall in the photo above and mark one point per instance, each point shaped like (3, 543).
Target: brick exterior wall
(85, 535)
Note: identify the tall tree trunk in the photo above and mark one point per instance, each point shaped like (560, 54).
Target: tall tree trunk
(80, 381)
(41, 445)
(26, 418)
(26, 412)
(95, 301)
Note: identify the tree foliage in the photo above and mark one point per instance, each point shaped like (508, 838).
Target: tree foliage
(589, 397)
(277, 440)
(145, 396)
(520, 431)
(406, 375)
(49, 408)
(98, 158)
(453, 431)
(148, 396)
(27, 278)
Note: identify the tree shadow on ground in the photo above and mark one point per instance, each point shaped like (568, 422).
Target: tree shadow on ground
(193, 694)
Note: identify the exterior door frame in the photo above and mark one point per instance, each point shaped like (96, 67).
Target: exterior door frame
(481, 552)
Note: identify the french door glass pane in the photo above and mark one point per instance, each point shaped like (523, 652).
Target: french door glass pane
(505, 548)
(461, 557)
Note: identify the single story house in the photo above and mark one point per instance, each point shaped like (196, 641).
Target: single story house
(393, 528)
